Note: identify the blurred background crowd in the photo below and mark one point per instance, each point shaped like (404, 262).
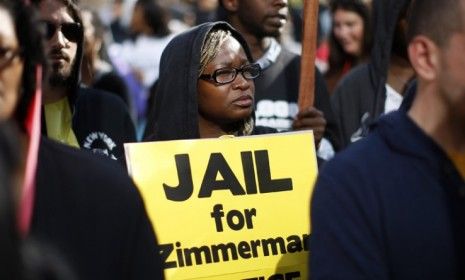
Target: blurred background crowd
(125, 40)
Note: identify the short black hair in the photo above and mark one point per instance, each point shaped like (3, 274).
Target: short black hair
(437, 20)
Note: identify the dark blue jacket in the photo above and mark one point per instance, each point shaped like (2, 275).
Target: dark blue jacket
(391, 206)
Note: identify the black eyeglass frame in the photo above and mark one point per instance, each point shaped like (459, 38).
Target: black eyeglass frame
(66, 28)
(213, 77)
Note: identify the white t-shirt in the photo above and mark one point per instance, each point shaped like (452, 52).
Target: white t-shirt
(143, 54)
(393, 99)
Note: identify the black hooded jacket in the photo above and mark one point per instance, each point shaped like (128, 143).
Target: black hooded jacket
(359, 98)
(101, 121)
(175, 114)
(91, 212)
(82, 207)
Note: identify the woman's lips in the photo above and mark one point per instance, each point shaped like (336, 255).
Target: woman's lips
(244, 101)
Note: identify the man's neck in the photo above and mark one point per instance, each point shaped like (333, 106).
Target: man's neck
(257, 45)
(433, 116)
(54, 94)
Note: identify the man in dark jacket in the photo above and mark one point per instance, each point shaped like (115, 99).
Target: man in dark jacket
(392, 206)
(261, 24)
(77, 116)
(378, 87)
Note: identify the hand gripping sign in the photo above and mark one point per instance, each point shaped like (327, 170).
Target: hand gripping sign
(234, 208)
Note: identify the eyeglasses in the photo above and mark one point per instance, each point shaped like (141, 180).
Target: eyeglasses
(71, 30)
(7, 55)
(228, 74)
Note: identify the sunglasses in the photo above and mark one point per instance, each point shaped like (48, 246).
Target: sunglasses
(71, 30)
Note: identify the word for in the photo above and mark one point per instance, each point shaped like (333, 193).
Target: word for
(217, 165)
(231, 251)
(278, 276)
(235, 219)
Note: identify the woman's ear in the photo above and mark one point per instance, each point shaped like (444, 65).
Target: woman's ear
(424, 57)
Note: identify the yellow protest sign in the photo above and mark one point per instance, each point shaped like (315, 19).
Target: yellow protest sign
(234, 208)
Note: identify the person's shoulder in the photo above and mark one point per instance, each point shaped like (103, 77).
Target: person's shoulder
(98, 96)
(355, 83)
(288, 53)
(358, 74)
(109, 76)
(288, 57)
(93, 181)
(62, 152)
(360, 159)
(78, 164)
(293, 59)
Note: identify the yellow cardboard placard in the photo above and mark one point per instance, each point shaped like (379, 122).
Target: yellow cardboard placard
(233, 208)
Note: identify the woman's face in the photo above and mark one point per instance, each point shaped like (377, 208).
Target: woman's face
(231, 102)
(11, 66)
(348, 31)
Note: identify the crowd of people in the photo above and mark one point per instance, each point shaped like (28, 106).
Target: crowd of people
(388, 122)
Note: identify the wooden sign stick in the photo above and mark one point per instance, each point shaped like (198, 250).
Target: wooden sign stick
(307, 62)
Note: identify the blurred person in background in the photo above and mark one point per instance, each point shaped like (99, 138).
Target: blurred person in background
(376, 88)
(138, 60)
(96, 71)
(350, 39)
(118, 31)
(324, 29)
(149, 26)
(205, 11)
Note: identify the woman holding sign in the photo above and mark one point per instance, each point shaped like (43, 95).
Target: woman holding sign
(206, 86)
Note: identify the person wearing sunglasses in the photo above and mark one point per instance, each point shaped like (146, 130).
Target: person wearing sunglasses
(206, 86)
(81, 117)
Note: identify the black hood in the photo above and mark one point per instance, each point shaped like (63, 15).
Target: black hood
(176, 108)
(75, 78)
(385, 16)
